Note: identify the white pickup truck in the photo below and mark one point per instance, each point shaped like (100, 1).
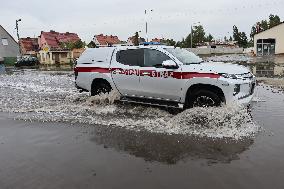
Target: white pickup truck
(163, 76)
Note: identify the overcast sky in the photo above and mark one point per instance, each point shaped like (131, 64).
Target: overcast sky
(169, 19)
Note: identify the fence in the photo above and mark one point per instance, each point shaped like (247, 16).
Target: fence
(207, 51)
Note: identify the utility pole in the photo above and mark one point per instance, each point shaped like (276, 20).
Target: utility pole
(147, 40)
(17, 28)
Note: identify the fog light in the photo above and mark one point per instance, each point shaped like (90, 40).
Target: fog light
(237, 89)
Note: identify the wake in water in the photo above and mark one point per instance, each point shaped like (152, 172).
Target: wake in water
(52, 98)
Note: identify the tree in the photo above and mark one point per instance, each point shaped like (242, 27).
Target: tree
(168, 42)
(274, 20)
(225, 39)
(209, 38)
(243, 40)
(264, 25)
(92, 45)
(198, 35)
(253, 32)
(136, 39)
(236, 33)
(240, 37)
(78, 44)
(73, 45)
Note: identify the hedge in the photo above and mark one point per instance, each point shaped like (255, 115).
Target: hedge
(10, 61)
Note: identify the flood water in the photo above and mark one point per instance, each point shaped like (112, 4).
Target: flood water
(51, 136)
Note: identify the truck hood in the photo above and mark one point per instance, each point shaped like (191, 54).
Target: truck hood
(216, 67)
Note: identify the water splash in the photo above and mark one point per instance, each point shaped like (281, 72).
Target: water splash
(52, 98)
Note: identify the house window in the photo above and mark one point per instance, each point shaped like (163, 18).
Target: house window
(5, 41)
(64, 55)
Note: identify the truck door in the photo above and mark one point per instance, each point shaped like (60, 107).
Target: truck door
(125, 68)
(156, 81)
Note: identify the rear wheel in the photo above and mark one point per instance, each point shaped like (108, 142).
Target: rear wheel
(204, 98)
(101, 87)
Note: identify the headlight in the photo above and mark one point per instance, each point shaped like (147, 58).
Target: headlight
(229, 76)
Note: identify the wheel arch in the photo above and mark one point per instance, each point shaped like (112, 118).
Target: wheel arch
(100, 80)
(200, 86)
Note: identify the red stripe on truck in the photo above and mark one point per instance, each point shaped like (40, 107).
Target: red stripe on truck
(92, 69)
(152, 73)
(189, 75)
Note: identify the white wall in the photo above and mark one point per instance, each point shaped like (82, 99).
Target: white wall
(205, 51)
(277, 33)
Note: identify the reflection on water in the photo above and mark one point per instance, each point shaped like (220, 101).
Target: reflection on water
(268, 70)
(66, 67)
(170, 149)
(267, 66)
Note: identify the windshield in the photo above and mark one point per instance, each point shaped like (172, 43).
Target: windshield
(185, 56)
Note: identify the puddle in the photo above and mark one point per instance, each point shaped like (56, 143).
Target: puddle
(52, 97)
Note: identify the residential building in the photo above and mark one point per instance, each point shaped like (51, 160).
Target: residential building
(130, 40)
(157, 40)
(106, 40)
(9, 48)
(29, 46)
(53, 49)
(270, 41)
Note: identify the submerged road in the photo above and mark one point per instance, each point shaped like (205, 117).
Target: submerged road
(53, 154)
(57, 155)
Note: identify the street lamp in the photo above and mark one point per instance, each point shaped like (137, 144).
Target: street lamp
(147, 23)
(191, 34)
(17, 28)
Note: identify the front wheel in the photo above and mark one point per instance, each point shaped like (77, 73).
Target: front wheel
(204, 98)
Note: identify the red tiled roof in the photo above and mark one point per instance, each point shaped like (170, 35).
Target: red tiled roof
(53, 39)
(105, 40)
(29, 44)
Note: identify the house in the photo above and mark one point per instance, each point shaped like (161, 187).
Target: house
(105, 40)
(29, 46)
(270, 41)
(54, 47)
(157, 40)
(130, 40)
(9, 48)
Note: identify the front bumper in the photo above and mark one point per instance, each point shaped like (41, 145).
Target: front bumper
(245, 94)
(245, 101)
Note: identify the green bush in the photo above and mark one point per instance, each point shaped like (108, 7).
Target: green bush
(10, 61)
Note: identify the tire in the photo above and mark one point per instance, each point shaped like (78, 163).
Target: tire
(100, 88)
(204, 98)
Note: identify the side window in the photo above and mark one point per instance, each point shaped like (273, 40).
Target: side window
(154, 58)
(131, 57)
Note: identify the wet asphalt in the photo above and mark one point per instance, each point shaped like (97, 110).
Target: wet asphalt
(63, 155)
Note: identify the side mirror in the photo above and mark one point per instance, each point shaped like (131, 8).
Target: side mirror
(169, 64)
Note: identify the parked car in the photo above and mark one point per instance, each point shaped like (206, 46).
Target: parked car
(164, 76)
(27, 61)
(2, 66)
